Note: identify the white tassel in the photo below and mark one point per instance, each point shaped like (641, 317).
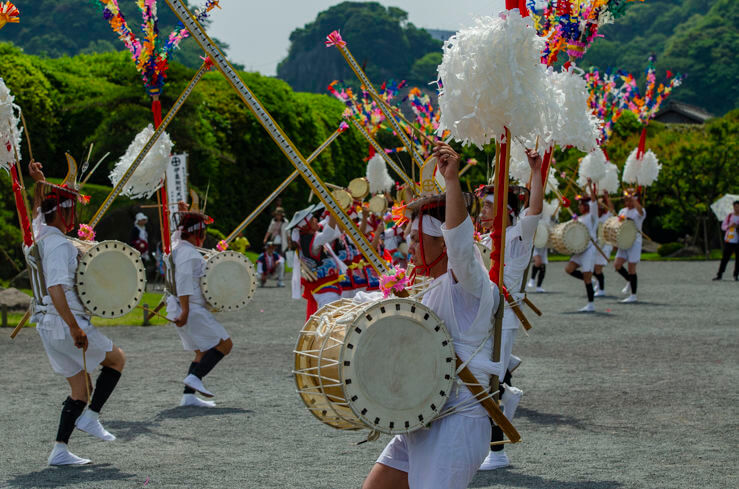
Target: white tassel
(649, 169)
(609, 182)
(592, 166)
(519, 169)
(631, 169)
(10, 129)
(576, 125)
(149, 176)
(491, 78)
(378, 177)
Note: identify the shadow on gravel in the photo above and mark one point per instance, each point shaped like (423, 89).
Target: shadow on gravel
(192, 412)
(506, 478)
(549, 418)
(70, 475)
(586, 314)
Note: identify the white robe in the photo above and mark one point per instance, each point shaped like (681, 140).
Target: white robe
(59, 263)
(448, 454)
(201, 331)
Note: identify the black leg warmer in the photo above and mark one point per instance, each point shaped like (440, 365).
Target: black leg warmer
(71, 410)
(107, 380)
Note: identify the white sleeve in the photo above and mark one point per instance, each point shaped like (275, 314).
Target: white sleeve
(57, 264)
(528, 227)
(260, 268)
(460, 248)
(325, 236)
(185, 277)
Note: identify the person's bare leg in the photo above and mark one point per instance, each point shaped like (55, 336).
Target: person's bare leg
(225, 346)
(384, 477)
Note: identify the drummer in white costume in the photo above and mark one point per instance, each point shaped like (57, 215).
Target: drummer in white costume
(63, 324)
(519, 235)
(198, 328)
(605, 210)
(585, 261)
(632, 256)
(448, 454)
(539, 269)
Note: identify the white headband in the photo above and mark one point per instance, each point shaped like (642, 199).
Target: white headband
(65, 204)
(431, 226)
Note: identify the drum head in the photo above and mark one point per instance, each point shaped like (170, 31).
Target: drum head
(343, 198)
(397, 365)
(627, 234)
(378, 204)
(359, 188)
(110, 279)
(229, 281)
(576, 237)
(485, 252)
(542, 235)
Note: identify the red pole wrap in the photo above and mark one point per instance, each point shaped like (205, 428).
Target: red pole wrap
(511, 4)
(522, 8)
(156, 110)
(605, 153)
(164, 210)
(545, 163)
(642, 143)
(20, 205)
(501, 208)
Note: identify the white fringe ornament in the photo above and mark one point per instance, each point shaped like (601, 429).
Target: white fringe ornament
(631, 169)
(576, 125)
(592, 166)
(649, 169)
(149, 176)
(10, 128)
(378, 177)
(491, 77)
(609, 182)
(519, 169)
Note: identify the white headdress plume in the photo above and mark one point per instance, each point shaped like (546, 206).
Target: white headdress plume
(10, 130)
(148, 177)
(377, 175)
(491, 77)
(576, 125)
(609, 182)
(593, 166)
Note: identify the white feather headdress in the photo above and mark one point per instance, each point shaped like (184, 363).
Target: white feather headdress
(379, 179)
(149, 176)
(10, 128)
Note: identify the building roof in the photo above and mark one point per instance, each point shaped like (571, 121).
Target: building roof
(685, 112)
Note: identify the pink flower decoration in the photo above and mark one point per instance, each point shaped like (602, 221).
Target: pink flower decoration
(334, 39)
(222, 245)
(393, 282)
(86, 233)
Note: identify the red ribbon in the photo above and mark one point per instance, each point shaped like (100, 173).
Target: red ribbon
(164, 211)
(20, 204)
(156, 110)
(496, 257)
(605, 153)
(546, 162)
(334, 39)
(642, 143)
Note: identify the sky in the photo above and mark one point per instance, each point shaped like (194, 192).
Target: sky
(258, 32)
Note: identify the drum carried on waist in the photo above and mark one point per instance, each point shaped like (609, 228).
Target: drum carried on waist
(377, 205)
(229, 281)
(110, 279)
(569, 238)
(541, 238)
(359, 188)
(387, 366)
(620, 233)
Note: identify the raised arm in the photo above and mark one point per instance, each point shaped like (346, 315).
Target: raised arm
(448, 166)
(536, 200)
(35, 170)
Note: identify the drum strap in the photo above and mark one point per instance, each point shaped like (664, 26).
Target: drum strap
(170, 283)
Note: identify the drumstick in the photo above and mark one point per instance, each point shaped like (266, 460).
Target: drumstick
(28, 137)
(528, 302)
(87, 380)
(518, 312)
(157, 309)
(22, 323)
(498, 443)
(153, 313)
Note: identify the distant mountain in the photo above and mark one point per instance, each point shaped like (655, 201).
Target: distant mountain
(381, 38)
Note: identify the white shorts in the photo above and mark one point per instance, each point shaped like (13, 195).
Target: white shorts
(599, 259)
(201, 331)
(586, 259)
(445, 456)
(64, 357)
(543, 253)
(633, 254)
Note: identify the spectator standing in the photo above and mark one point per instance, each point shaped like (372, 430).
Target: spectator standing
(730, 226)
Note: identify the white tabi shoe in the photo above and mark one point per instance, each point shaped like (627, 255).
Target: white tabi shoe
(89, 422)
(195, 401)
(495, 460)
(600, 293)
(195, 383)
(626, 289)
(509, 400)
(530, 284)
(280, 283)
(60, 455)
(589, 308)
(540, 289)
(630, 299)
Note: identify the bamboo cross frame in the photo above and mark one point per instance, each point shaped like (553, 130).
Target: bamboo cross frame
(381, 151)
(295, 174)
(149, 144)
(409, 146)
(278, 135)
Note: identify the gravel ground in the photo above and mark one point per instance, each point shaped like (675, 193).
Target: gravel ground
(634, 396)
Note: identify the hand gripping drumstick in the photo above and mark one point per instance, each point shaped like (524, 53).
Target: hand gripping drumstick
(277, 134)
(21, 323)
